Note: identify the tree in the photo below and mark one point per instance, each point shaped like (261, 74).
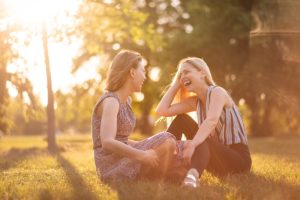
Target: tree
(5, 56)
(50, 105)
(274, 67)
(22, 83)
(167, 31)
(105, 28)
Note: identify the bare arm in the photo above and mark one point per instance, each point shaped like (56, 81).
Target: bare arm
(132, 142)
(108, 132)
(166, 108)
(218, 101)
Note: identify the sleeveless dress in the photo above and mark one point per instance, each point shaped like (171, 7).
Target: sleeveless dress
(111, 166)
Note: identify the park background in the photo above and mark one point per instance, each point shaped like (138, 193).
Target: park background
(53, 61)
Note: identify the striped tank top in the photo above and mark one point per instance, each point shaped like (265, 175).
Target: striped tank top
(230, 128)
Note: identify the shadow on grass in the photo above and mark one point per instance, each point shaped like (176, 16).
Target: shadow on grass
(45, 195)
(238, 186)
(156, 190)
(254, 186)
(81, 189)
(276, 146)
(14, 156)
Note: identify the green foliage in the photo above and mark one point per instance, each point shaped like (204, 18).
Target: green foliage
(5, 57)
(8, 38)
(262, 70)
(25, 120)
(274, 68)
(74, 109)
(105, 26)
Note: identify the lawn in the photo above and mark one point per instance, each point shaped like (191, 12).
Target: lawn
(28, 171)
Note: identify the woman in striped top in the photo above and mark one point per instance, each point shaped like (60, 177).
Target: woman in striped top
(218, 143)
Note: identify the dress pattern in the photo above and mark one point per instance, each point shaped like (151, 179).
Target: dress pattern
(111, 166)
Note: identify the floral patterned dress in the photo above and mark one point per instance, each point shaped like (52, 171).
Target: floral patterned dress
(111, 166)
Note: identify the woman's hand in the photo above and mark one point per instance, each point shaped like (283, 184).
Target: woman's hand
(188, 151)
(176, 82)
(149, 158)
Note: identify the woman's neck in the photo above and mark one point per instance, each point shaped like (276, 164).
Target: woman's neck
(123, 93)
(201, 92)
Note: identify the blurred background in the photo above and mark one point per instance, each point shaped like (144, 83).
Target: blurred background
(54, 57)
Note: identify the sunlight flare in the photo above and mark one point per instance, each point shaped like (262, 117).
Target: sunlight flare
(138, 96)
(36, 11)
(154, 74)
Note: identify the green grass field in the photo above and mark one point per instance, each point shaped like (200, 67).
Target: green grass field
(28, 171)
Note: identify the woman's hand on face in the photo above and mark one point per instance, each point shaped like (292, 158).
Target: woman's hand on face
(188, 151)
(149, 158)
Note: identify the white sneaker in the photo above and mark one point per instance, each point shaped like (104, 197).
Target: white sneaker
(191, 179)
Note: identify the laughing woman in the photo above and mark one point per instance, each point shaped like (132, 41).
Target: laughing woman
(218, 142)
(117, 157)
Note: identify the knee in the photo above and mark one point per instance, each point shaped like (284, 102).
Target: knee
(182, 117)
(170, 143)
(248, 165)
(202, 150)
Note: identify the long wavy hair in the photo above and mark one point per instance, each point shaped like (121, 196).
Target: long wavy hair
(120, 67)
(197, 63)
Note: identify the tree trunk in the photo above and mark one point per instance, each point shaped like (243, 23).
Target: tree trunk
(50, 105)
(3, 96)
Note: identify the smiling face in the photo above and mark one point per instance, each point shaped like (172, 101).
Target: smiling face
(190, 76)
(138, 75)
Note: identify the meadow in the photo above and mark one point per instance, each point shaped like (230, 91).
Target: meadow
(29, 171)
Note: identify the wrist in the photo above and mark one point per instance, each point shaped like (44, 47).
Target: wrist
(193, 143)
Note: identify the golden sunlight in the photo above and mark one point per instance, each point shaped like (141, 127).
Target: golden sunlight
(138, 96)
(34, 13)
(154, 74)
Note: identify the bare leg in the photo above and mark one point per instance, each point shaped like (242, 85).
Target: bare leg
(165, 152)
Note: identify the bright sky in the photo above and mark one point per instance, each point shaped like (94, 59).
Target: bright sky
(32, 13)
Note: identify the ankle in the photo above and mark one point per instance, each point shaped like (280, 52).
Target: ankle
(194, 172)
(191, 178)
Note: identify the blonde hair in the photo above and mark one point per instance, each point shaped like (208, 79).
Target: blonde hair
(120, 68)
(199, 64)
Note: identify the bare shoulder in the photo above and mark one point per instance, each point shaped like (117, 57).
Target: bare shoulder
(110, 104)
(221, 93)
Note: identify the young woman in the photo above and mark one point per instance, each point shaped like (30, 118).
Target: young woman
(117, 157)
(218, 143)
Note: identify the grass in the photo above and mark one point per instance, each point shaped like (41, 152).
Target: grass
(28, 171)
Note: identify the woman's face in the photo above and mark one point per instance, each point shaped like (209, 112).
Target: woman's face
(190, 77)
(139, 76)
